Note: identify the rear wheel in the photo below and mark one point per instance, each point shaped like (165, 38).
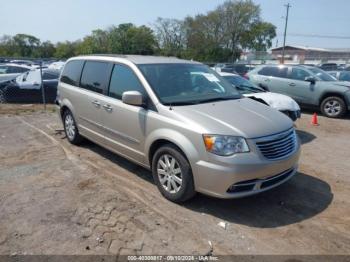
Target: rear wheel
(70, 128)
(333, 107)
(172, 174)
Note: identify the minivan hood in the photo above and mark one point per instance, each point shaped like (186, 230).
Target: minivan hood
(241, 117)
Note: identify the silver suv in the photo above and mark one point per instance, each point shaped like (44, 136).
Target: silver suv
(181, 120)
(308, 85)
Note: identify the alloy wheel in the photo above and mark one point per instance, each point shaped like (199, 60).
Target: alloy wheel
(70, 126)
(169, 173)
(332, 107)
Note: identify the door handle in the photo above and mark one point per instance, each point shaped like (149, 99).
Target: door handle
(267, 80)
(96, 103)
(292, 84)
(108, 108)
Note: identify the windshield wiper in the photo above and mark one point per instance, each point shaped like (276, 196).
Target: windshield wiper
(252, 89)
(216, 99)
(180, 103)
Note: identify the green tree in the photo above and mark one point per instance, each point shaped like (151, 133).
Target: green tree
(171, 36)
(66, 49)
(6, 46)
(129, 39)
(25, 45)
(259, 38)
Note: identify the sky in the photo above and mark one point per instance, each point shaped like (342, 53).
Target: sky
(73, 19)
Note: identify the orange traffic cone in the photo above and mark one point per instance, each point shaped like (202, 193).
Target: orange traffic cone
(314, 120)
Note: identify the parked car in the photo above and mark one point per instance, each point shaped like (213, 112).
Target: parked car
(283, 103)
(26, 88)
(22, 62)
(328, 66)
(309, 86)
(341, 67)
(58, 65)
(222, 65)
(340, 75)
(241, 69)
(181, 120)
(11, 71)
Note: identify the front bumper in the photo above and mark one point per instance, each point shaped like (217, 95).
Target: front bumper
(219, 179)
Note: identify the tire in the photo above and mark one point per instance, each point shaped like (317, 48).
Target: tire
(333, 107)
(71, 129)
(185, 189)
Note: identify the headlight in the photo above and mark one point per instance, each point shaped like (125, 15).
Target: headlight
(225, 145)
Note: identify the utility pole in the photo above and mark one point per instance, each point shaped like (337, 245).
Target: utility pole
(285, 31)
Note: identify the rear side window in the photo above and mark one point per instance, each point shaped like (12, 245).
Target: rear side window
(123, 79)
(274, 71)
(71, 72)
(95, 76)
(3, 69)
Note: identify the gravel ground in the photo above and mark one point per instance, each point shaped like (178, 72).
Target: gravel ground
(56, 198)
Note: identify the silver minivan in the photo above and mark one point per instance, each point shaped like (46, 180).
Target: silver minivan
(181, 120)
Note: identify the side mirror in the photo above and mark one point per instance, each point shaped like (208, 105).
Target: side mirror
(263, 87)
(310, 79)
(134, 98)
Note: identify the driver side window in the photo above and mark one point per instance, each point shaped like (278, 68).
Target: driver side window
(124, 79)
(299, 74)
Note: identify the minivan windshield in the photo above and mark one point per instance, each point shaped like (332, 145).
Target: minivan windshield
(322, 75)
(187, 84)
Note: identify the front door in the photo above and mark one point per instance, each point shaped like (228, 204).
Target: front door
(124, 125)
(300, 90)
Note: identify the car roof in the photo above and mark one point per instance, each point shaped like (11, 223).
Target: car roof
(227, 74)
(291, 65)
(17, 65)
(140, 59)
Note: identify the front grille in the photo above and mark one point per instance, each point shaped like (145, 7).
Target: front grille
(278, 146)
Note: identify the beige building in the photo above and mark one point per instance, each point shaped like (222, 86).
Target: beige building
(302, 54)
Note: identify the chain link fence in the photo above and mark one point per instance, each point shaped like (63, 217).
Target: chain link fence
(24, 81)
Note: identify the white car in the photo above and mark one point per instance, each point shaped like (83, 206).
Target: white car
(11, 71)
(283, 103)
(57, 65)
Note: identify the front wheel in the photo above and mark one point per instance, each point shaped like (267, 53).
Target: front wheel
(333, 107)
(172, 174)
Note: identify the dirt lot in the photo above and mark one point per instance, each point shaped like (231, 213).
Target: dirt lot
(56, 198)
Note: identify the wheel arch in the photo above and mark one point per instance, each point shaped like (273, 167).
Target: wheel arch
(66, 105)
(329, 94)
(167, 136)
